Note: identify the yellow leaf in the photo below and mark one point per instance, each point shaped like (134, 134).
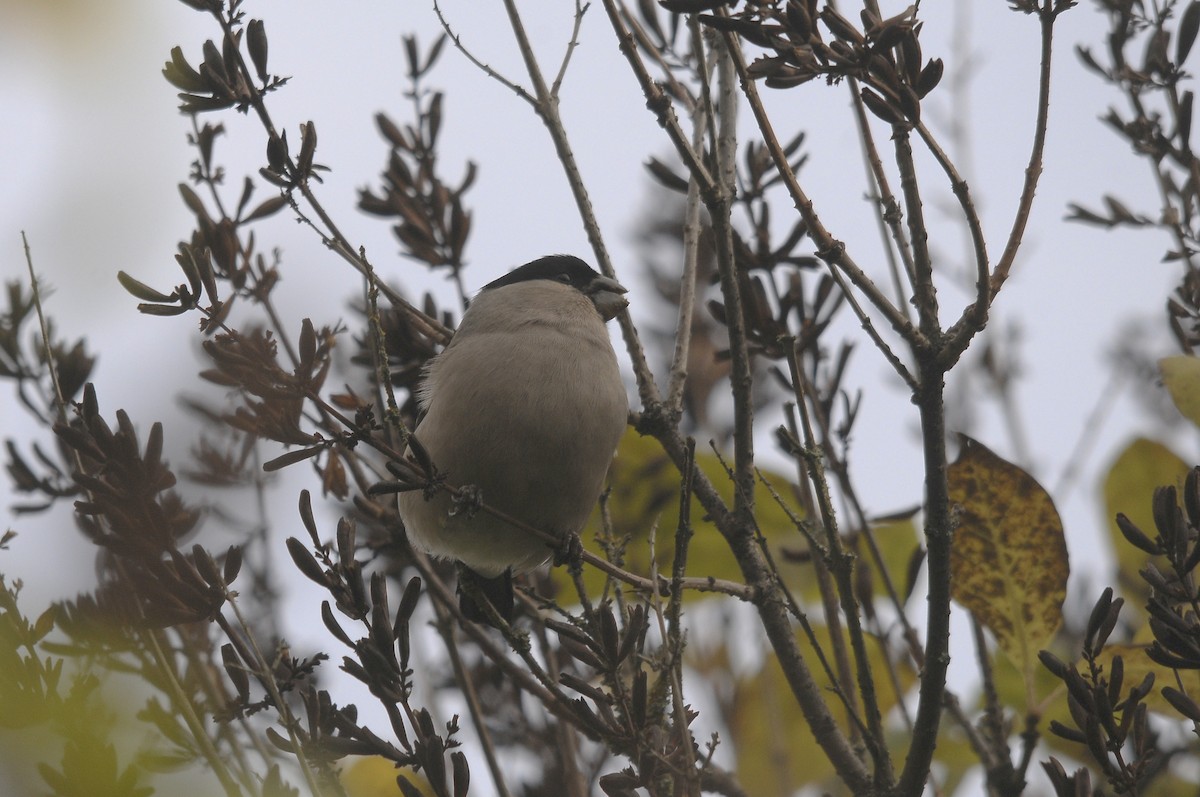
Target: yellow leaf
(1129, 489)
(375, 776)
(1008, 560)
(645, 490)
(1181, 376)
(898, 542)
(1138, 665)
(776, 751)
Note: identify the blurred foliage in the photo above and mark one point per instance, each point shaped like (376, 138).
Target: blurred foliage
(1141, 467)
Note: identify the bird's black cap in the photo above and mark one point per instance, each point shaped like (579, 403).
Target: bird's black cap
(559, 268)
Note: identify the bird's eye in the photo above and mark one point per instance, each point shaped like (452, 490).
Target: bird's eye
(563, 278)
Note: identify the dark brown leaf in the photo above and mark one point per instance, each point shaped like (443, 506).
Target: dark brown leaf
(1189, 23)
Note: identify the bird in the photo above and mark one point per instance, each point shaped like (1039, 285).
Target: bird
(526, 406)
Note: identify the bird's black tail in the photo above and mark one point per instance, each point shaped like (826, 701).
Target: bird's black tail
(496, 590)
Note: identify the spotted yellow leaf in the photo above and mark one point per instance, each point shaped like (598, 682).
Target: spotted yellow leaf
(1008, 559)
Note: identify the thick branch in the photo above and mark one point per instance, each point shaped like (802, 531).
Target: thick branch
(938, 529)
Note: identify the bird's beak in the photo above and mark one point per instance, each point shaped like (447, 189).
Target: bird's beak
(605, 293)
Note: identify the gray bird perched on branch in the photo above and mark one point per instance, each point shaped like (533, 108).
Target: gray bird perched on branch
(527, 405)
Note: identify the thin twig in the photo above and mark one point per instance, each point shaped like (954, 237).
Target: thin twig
(464, 679)
(580, 9)
(924, 290)
(456, 40)
(960, 334)
(829, 249)
(547, 109)
(841, 563)
(672, 630)
(773, 607)
(51, 363)
(719, 205)
(332, 236)
(888, 213)
(687, 286)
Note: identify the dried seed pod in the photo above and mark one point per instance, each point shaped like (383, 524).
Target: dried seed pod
(635, 627)
(236, 671)
(840, 27)
(1109, 623)
(215, 63)
(581, 652)
(140, 290)
(1057, 667)
(1191, 486)
(877, 105)
(1182, 703)
(910, 103)
(799, 22)
(638, 699)
(583, 687)
(206, 566)
(1094, 739)
(911, 57)
(462, 773)
(661, 172)
(408, 788)
(609, 636)
(256, 43)
(233, 563)
(1136, 537)
(587, 717)
(408, 601)
(1065, 732)
(332, 625)
(890, 33)
(392, 132)
(750, 30)
(884, 69)
(1189, 23)
(930, 76)
(180, 74)
(277, 152)
(1139, 692)
(789, 77)
(1098, 614)
(306, 563)
(308, 147)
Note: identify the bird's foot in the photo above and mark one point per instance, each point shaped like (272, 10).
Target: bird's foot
(569, 552)
(467, 501)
